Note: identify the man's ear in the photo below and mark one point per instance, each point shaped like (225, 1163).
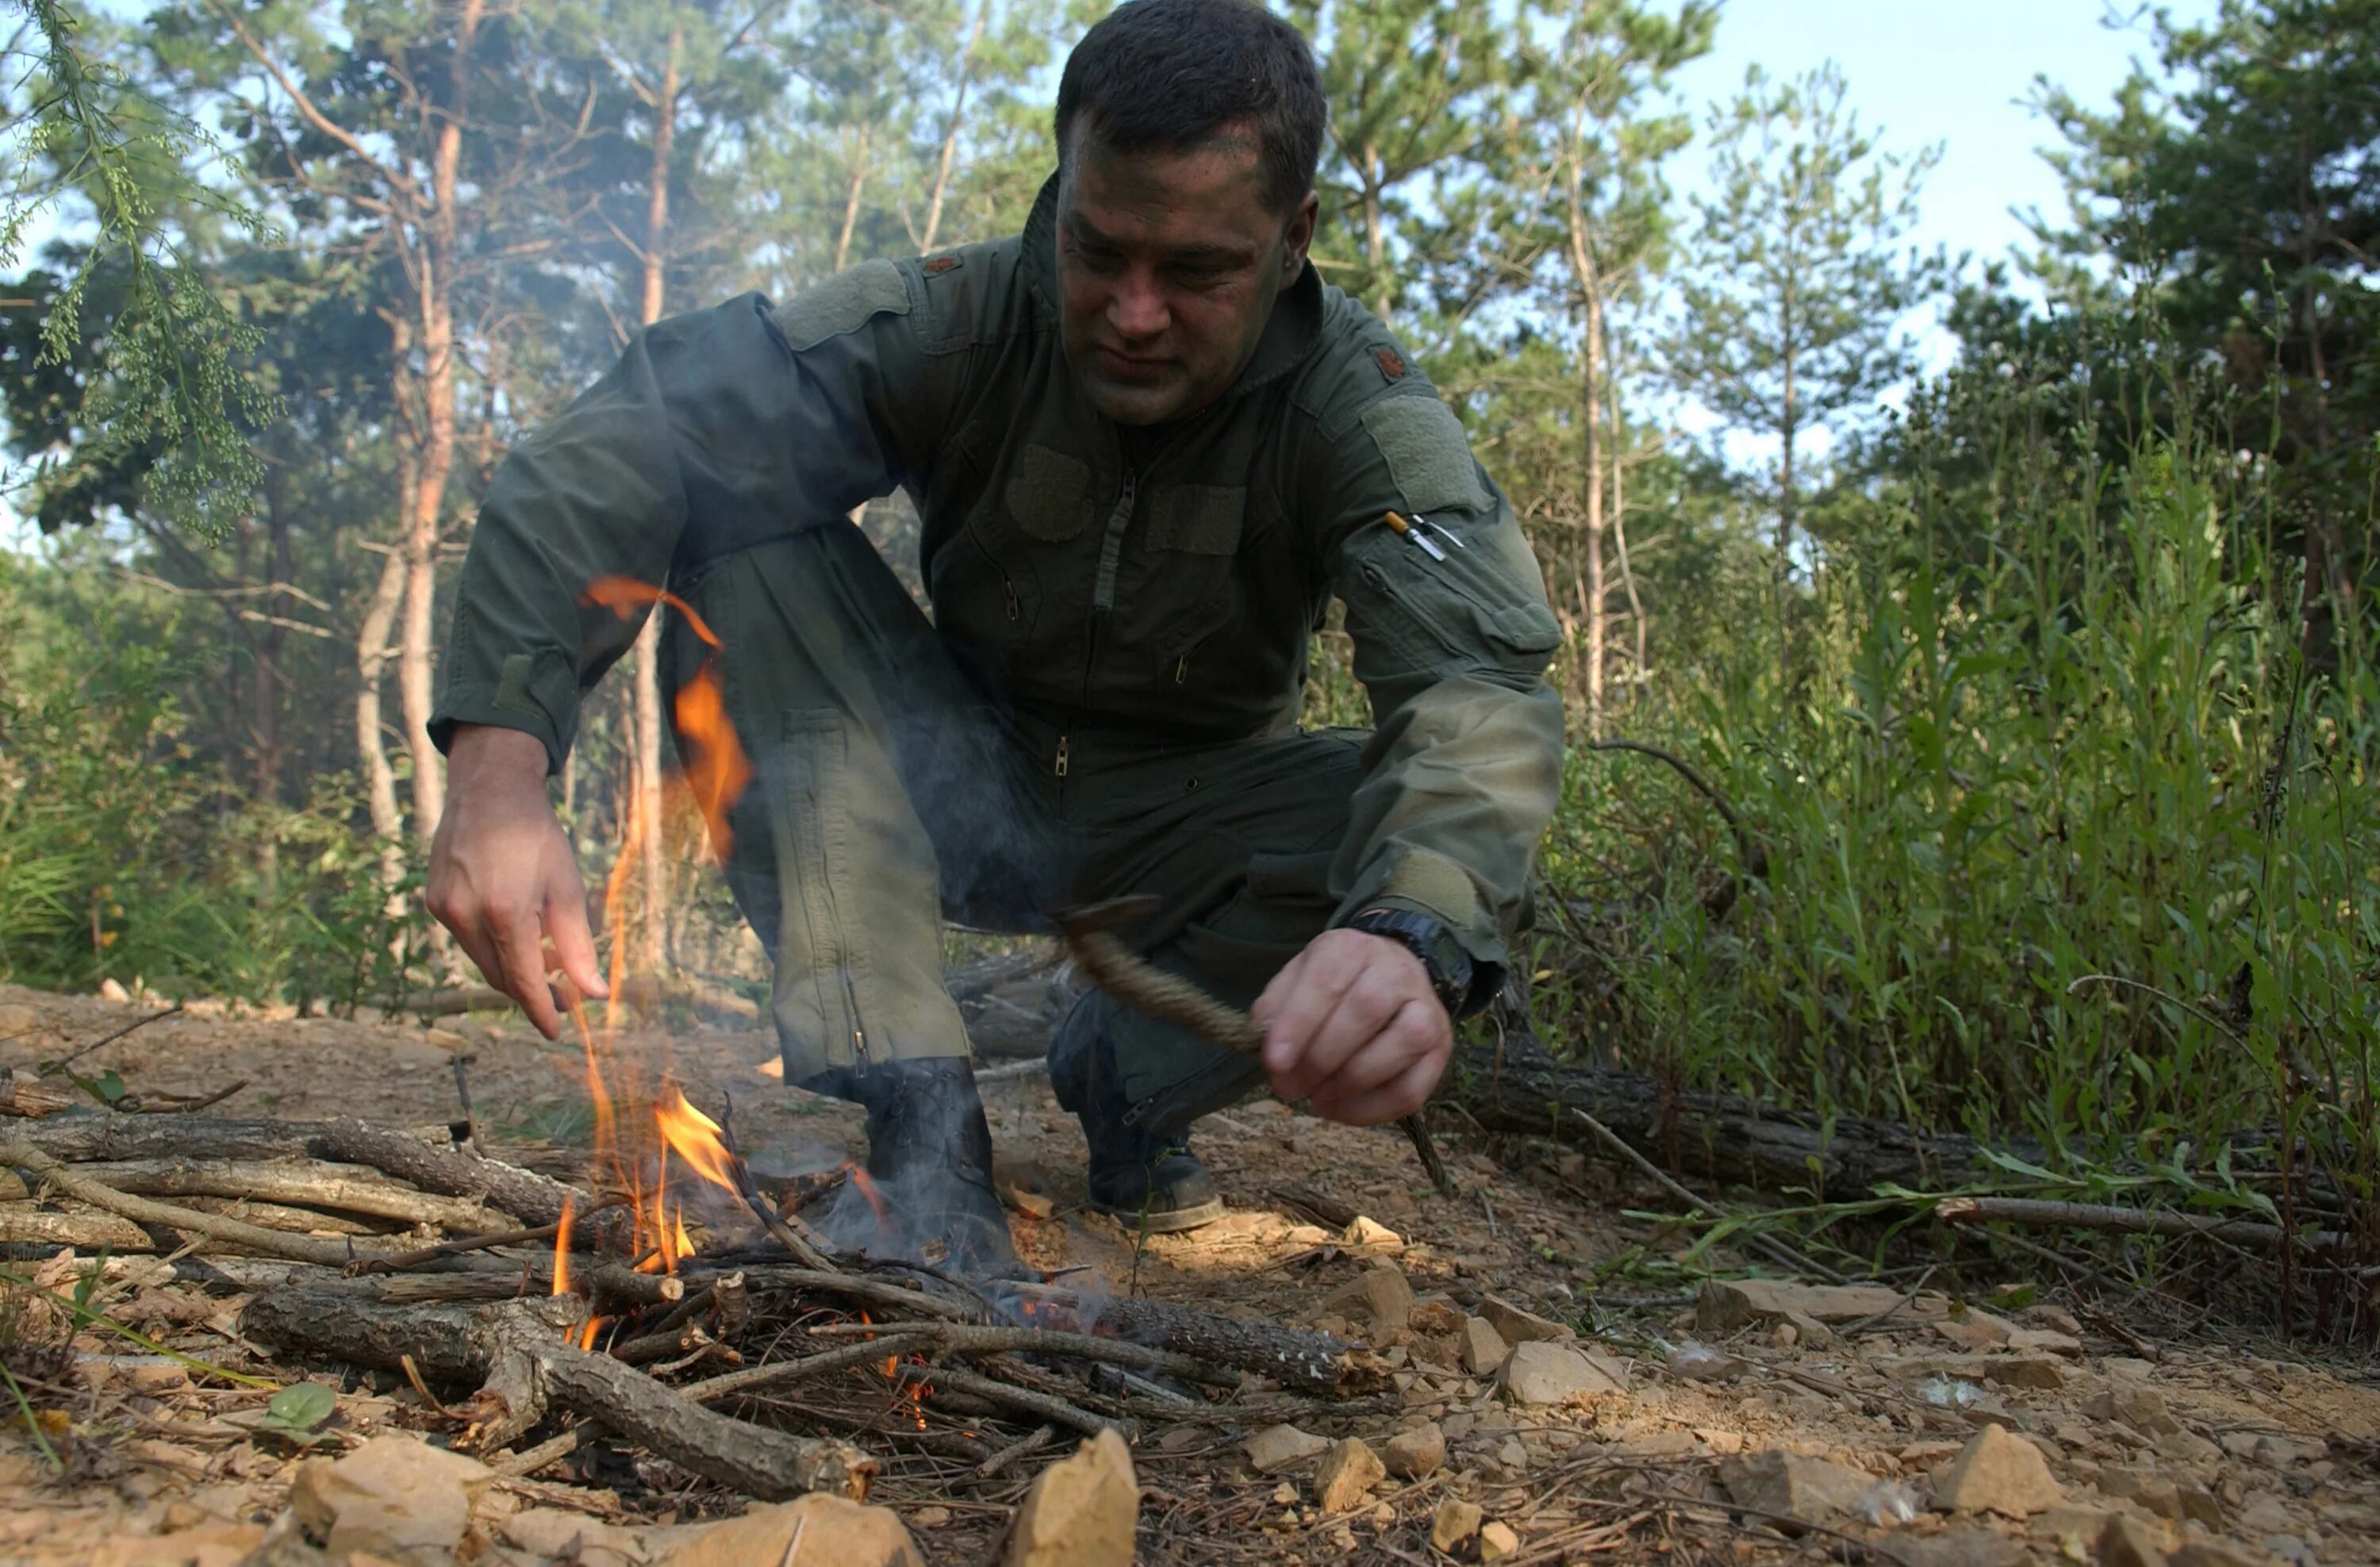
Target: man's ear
(1296, 239)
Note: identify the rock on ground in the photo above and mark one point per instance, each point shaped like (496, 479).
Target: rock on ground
(1997, 1472)
(395, 1497)
(1349, 1471)
(831, 1528)
(1412, 1454)
(1548, 1373)
(1378, 1298)
(1809, 1490)
(1497, 1540)
(1455, 1522)
(1519, 1326)
(1481, 1347)
(1081, 1512)
(2128, 1541)
(1731, 1303)
(1280, 1447)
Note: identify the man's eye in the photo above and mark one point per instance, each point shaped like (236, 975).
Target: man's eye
(1097, 260)
(1197, 277)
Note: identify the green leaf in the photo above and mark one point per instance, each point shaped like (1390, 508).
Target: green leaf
(301, 1406)
(2015, 1297)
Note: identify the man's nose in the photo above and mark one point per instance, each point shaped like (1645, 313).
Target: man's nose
(1137, 309)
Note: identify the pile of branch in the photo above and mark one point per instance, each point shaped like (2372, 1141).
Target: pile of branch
(765, 1362)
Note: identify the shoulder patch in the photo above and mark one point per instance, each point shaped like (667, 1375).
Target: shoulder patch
(841, 304)
(1392, 364)
(1428, 457)
(936, 265)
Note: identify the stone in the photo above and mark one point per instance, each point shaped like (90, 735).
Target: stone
(1731, 1303)
(1551, 1373)
(1379, 1297)
(1787, 1484)
(1456, 1521)
(1498, 1540)
(1997, 1471)
(1410, 1455)
(2057, 1316)
(1959, 1547)
(1281, 1447)
(112, 990)
(2147, 1489)
(2141, 1408)
(2025, 1370)
(1369, 1234)
(1347, 1475)
(1435, 1319)
(1808, 1332)
(1082, 1511)
(396, 1496)
(2215, 1553)
(1518, 1327)
(1480, 1347)
(2128, 1541)
(833, 1529)
(2045, 1341)
(1974, 1330)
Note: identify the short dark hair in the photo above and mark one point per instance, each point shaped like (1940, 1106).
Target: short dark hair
(1167, 74)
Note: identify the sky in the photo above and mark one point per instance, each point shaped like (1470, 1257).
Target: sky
(1957, 73)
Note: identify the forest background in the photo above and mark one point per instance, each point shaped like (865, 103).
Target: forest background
(1982, 739)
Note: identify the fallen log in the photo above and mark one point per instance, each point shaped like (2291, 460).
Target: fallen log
(445, 1171)
(1518, 1087)
(517, 1351)
(22, 1095)
(309, 1182)
(2044, 1212)
(22, 1224)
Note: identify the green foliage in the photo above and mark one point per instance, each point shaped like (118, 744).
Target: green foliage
(2024, 727)
(172, 401)
(295, 1411)
(117, 859)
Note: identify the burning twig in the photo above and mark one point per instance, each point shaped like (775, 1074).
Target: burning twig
(779, 1229)
(1148, 989)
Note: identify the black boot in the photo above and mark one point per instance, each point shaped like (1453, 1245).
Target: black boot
(929, 1156)
(1148, 1179)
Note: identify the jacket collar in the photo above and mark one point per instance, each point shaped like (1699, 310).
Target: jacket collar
(1291, 333)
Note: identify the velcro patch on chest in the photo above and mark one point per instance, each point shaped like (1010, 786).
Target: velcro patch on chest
(841, 304)
(1049, 493)
(1428, 456)
(1197, 519)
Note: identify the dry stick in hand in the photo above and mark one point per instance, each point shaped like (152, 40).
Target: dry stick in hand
(1151, 991)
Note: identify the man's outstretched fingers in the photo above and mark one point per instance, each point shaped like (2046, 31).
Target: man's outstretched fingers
(524, 970)
(574, 944)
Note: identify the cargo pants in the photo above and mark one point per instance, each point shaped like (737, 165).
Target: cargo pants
(893, 791)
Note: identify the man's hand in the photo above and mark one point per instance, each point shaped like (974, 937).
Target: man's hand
(502, 876)
(1354, 1024)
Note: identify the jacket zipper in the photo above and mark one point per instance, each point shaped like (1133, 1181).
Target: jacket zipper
(1112, 545)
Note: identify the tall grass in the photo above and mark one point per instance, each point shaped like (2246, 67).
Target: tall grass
(2068, 840)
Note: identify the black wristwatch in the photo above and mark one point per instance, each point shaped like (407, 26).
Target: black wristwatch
(1442, 956)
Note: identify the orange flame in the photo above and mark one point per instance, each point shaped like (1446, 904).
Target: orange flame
(695, 1138)
(717, 771)
(562, 1250)
(866, 1185)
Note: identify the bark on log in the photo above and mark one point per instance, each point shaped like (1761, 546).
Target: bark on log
(22, 1095)
(1718, 1138)
(22, 1224)
(447, 1171)
(1295, 1357)
(313, 1183)
(147, 1210)
(518, 1349)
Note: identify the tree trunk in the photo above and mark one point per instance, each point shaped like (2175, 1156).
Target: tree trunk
(652, 865)
(371, 662)
(1620, 514)
(434, 294)
(1376, 246)
(1590, 419)
(1788, 426)
(851, 203)
(951, 131)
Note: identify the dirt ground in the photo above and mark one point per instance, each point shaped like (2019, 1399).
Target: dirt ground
(2227, 1450)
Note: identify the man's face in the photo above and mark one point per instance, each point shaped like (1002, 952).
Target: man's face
(1168, 267)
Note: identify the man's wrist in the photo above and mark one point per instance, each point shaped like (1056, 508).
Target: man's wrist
(1427, 938)
(490, 753)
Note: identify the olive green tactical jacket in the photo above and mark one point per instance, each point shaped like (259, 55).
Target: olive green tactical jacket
(1169, 600)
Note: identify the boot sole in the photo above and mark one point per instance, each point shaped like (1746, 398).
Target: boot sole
(1167, 1221)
